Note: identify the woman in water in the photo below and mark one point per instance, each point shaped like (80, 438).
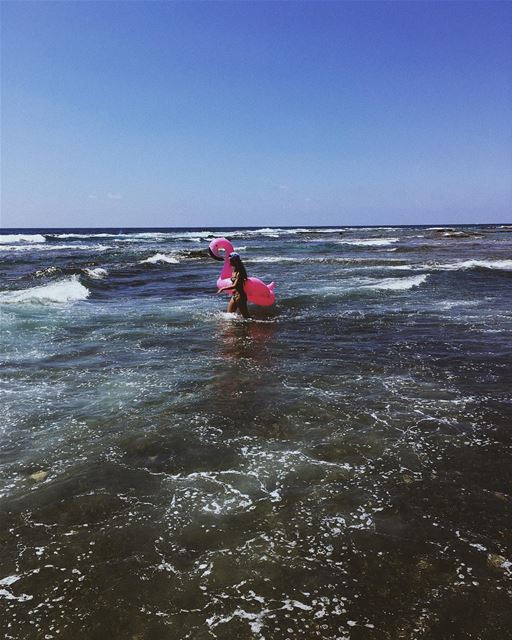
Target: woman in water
(238, 300)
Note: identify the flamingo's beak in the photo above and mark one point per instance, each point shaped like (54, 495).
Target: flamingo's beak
(214, 256)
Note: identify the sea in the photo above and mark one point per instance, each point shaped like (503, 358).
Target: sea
(337, 467)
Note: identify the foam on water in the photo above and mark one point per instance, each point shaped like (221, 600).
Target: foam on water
(98, 273)
(55, 247)
(62, 236)
(398, 284)
(452, 304)
(67, 290)
(271, 259)
(160, 257)
(504, 265)
(368, 242)
(274, 232)
(21, 237)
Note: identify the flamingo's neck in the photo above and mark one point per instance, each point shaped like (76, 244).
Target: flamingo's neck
(227, 269)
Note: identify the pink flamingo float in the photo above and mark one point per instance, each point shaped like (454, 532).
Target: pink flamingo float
(257, 291)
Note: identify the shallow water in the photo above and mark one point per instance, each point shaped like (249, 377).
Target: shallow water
(338, 467)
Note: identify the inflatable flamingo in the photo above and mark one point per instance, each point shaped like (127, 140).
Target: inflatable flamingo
(256, 290)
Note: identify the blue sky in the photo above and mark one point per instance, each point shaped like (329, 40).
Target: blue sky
(255, 113)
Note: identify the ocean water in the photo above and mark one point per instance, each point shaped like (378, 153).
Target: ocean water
(338, 467)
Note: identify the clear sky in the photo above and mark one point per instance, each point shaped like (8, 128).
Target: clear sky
(255, 113)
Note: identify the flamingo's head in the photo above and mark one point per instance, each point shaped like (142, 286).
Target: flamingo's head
(218, 245)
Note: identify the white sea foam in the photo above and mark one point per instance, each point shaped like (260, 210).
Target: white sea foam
(276, 259)
(369, 242)
(352, 263)
(67, 290)
(54, 247)
(301, 230)
(195, 236)
(160, 257)
(192, 235)
(450, 304)
(397, 284)
(273, 232)
(96, 273)
(83, 235)
(399, 267)
(146, 235)
(505, 265)
(21, 237)
(374, 228)
(9, 596)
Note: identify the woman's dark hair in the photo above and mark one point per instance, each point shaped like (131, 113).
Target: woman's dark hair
(236, 262)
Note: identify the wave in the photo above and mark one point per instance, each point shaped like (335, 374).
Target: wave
(372, 228)
(274, 232)
(369, 242)
(98, 273)
(277, 259)
(62, 236)
(160, 257)
(446, 305)
(67, 290)
(146, 235)
(392, 264)
(364, 263)
(313, 230)
(54, 247)
(21, 237)
(356, 286)
(397, 284)
(504, 265)
(196, 235)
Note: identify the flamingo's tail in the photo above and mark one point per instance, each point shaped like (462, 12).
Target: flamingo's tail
(271, 286)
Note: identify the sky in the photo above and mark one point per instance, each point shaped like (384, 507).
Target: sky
(207, 114)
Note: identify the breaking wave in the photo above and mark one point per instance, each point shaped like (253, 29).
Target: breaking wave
(54, 247)
(160, 257)
(505, 265)
(98, 273)
(21, 237)
(398, 284)
(67, 290)
(369, 242)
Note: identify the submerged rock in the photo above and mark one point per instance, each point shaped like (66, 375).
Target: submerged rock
(407, 478)
(39, 476)
(496, 561)
(194, 253)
